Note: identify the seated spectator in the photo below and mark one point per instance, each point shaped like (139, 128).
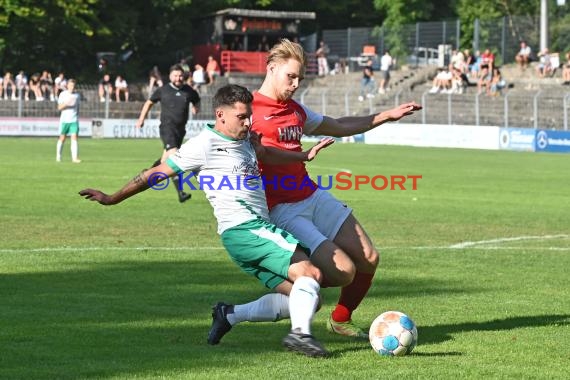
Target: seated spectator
(22, 85)
(212, 69)
(442, 82)
(105, 88)
(469, 61)
(35, 87)
(545, 66)
(46, 85)
(497, 83)
(59, 84)
(121, 87)
(487, 60)
(367, 83)
(476, 66)
(459, 81)
(566, 70)
(484, 79)
(457, 60)
(523, 56)
(8, 87)
(198, 77)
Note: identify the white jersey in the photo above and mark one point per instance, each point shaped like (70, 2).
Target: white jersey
(70, 113)
(227, 171)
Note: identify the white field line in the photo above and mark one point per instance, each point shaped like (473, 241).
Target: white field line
(470, 244)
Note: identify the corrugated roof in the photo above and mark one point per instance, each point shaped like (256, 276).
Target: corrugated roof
(271, 14)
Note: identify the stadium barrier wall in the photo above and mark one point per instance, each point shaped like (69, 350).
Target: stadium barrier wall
(435, 135)
(420, 135)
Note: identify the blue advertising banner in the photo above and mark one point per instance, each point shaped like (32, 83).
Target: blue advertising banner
(552, 141)
(517, 139)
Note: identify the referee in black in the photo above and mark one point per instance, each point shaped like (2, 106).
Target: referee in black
(175, 99)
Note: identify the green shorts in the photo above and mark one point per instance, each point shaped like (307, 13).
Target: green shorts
(69, 128)
(261, 249)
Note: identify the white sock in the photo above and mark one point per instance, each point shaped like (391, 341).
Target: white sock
(74, 149)
(269, 308)
(59, 148)
(303, 302)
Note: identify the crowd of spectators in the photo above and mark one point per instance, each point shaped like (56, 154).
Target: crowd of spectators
(38, 86)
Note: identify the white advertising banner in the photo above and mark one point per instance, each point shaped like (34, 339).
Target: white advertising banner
(13, 126)
(435, 135)
(126, 129)
(96, 128)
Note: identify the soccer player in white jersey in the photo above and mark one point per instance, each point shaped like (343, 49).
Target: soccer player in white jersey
(226, 155)
(68, 104)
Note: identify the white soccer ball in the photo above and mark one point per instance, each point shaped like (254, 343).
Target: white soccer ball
(393, 333)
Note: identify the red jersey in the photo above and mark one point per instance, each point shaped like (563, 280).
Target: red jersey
(282, 124)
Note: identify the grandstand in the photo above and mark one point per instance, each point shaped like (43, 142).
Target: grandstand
(529, 102)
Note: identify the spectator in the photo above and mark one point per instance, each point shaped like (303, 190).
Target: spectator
(22, 85)
(198, 77)
(186, 67)
(385, 65)
(322, 61)
(59, 84)
(442, 82)
(544, 67)
(484, 79)
(476, 66)
(263, 44)
(46, 85)
(523, 56)
(212, 69)
(154, 79)
(457, 60)
(35, 86)
(566, 70)
(469, 61)
(105, 88)
(121, 87)
(367, 84)
(8, 82)
(236, 44)
(487, 60)
(497, 83)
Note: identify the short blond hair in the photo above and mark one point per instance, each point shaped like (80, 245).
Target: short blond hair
(285, 50)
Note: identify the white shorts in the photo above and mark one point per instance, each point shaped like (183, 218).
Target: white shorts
(312, 220)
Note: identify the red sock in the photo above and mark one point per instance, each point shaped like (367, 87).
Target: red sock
(351, 296)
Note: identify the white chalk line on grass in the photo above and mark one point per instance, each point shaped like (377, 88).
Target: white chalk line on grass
(191, 249)
(471, 244)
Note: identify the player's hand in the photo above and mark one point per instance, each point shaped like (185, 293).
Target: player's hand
(139, 124)
(312, 153)
(97, 196)
(402, 110)
(255, 140)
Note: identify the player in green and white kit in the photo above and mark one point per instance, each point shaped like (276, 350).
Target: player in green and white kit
(225, 158)
(68, 103)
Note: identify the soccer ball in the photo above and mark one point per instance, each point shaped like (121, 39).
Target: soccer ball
(393, 333)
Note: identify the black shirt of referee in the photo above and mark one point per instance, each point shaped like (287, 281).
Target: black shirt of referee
(174, 113)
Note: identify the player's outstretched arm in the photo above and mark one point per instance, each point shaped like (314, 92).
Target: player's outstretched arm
(349, 126)
(138, 184)
(275, 156)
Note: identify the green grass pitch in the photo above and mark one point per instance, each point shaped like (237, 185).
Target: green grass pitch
(478, 256)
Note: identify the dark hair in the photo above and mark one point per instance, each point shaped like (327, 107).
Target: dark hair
(176, 67)
(231, 94)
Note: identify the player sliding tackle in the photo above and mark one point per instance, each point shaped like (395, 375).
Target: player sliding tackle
(272, 255)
